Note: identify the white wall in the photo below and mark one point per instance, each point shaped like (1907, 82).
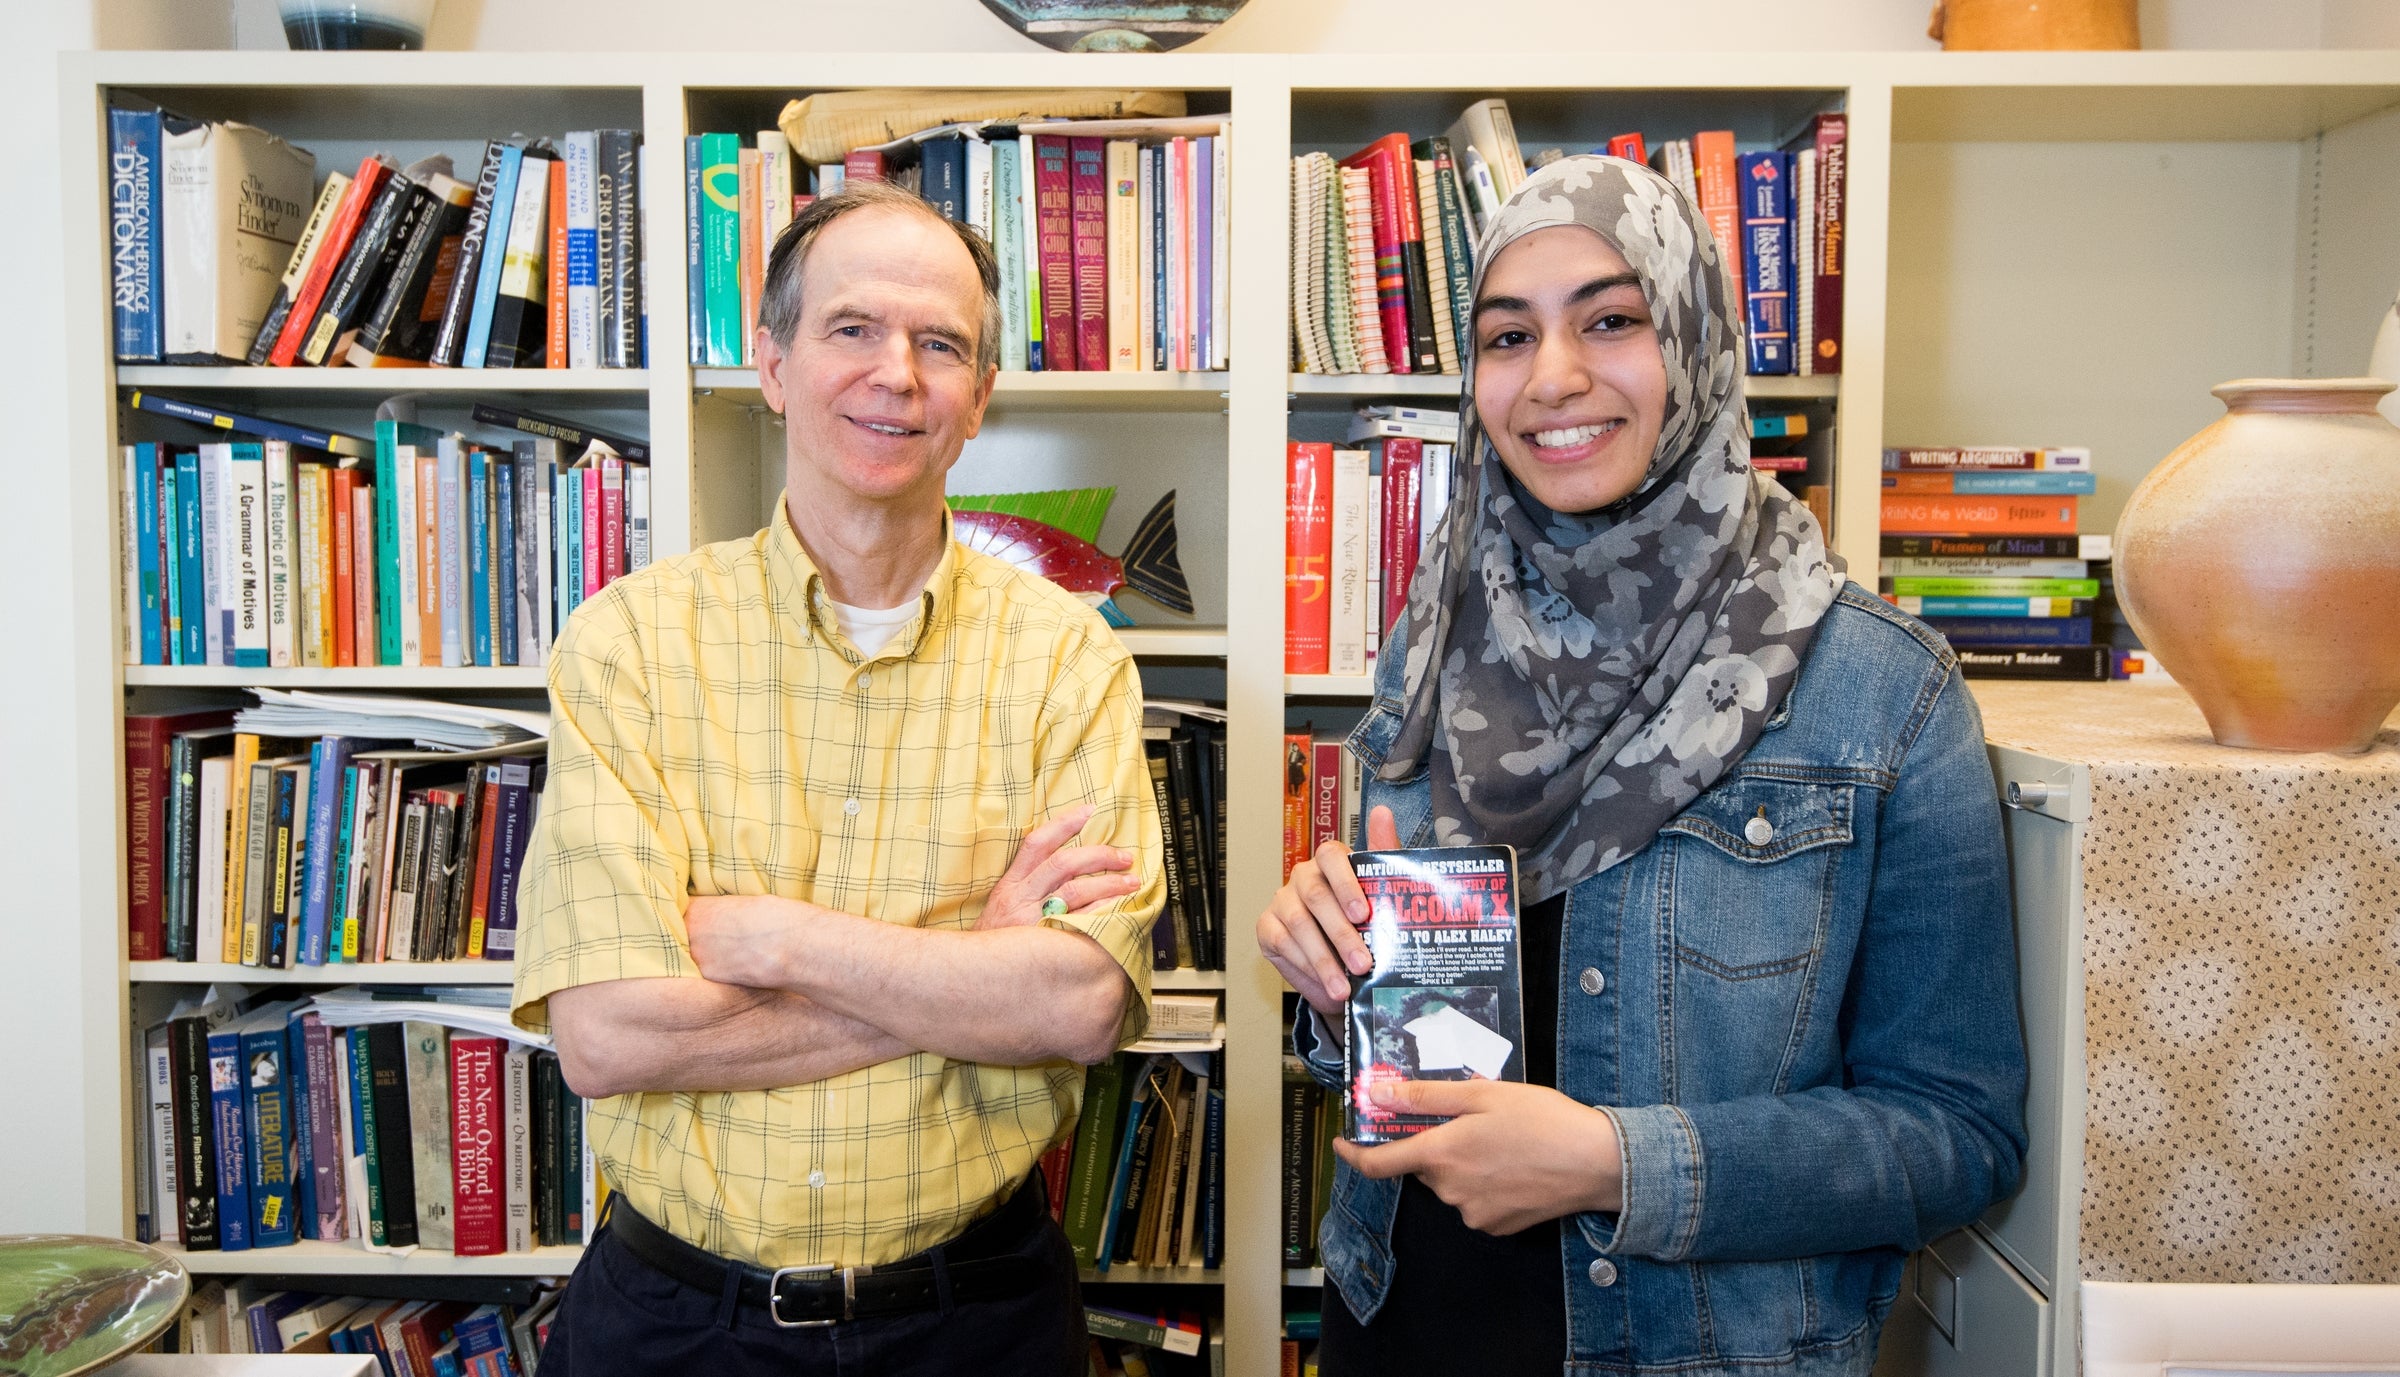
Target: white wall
(2110, 335)
(43, 1184)
(1360, 26)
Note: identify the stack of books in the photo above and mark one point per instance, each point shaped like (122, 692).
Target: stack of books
(1383, 240)
(1982, 542)
(247, 1315)
(283, 852)
(1112, 235)
(1142, 1181)
(1184, 742)
(397, 1119)
(304, 548)
(224, 249)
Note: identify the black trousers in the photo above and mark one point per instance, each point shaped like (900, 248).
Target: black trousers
(621, 1315)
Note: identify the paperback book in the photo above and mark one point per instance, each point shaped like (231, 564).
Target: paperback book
(1444, 1000)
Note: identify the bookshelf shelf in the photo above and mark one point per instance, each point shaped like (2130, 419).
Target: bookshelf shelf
(1040, 391)
(362, 973)
(385, 381)
(1151, 642)
(310, 1258)
(1180, 980)
(1174, 642)
(1329, 685)
(421, 677)
(1304, 387)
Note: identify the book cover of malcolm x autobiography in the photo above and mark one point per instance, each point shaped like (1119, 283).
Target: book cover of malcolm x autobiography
(1443, 1000)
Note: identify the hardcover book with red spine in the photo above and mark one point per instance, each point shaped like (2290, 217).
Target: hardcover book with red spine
(1403, 521)
(588, 487)
(372, 173)
(1629, 147)
(1087, 171)
(1054, 243)
(1721, 199)
(862, 165)
(1832, 142)
(147, 742)
(479, 1194)
(1308, 557)
(1400, 292)
(1324, 793)
(487, 826)
(612, 519)
(1909, 514)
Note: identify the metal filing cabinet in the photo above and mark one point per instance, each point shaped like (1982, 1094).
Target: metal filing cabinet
(1997, 1299)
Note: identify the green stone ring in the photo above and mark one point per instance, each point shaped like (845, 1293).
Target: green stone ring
(1054, 907)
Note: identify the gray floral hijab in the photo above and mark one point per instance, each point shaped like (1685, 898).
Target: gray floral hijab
(1598, 670)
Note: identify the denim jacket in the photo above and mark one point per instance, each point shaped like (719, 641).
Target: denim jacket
(1809, 1043)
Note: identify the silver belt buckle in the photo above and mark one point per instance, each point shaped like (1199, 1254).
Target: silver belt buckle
(849, 1294)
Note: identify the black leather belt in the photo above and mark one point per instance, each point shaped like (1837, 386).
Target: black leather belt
(977, 1265)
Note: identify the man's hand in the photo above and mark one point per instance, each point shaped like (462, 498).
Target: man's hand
(1310, 929)
(744, 939)
(1515, 1156)
(1083, 876)
(739, 939)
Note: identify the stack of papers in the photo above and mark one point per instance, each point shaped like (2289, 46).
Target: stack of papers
(432, 725)
(481, 1009)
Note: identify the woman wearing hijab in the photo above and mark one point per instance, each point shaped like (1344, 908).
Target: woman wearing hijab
(1769, 973)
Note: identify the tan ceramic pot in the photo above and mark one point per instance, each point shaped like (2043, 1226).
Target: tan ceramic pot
(2260, 562)
(1972, 25)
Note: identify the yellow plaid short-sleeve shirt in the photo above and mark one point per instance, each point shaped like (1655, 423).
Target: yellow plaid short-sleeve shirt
(713, 733)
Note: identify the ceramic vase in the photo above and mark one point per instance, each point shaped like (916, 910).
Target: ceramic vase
(1979, 25)
(2260, 562)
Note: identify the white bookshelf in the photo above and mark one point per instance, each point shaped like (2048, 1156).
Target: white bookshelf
(310, 1258)
(385, 382)
(2086, 165)
(347, 973)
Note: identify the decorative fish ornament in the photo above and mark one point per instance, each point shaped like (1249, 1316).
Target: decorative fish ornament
(1053, 533)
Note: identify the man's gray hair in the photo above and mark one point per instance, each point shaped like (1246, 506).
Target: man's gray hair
(779, 299)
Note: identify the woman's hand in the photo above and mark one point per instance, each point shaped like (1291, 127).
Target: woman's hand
(1514, 1156)
(1310, 930)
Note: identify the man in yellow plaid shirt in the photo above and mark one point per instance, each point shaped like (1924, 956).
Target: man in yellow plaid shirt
(846, 867)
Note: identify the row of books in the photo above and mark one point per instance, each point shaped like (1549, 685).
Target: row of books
(1321, 784)
(224, 249)
(1111, 236)
(406, 1338)
(1142, 1181)
(1184, 743)
(1983, 544)
(436, 551)
(280, 852)
(1357, 516)
(1383, 241)
(1355, 521)
(356, 1117)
